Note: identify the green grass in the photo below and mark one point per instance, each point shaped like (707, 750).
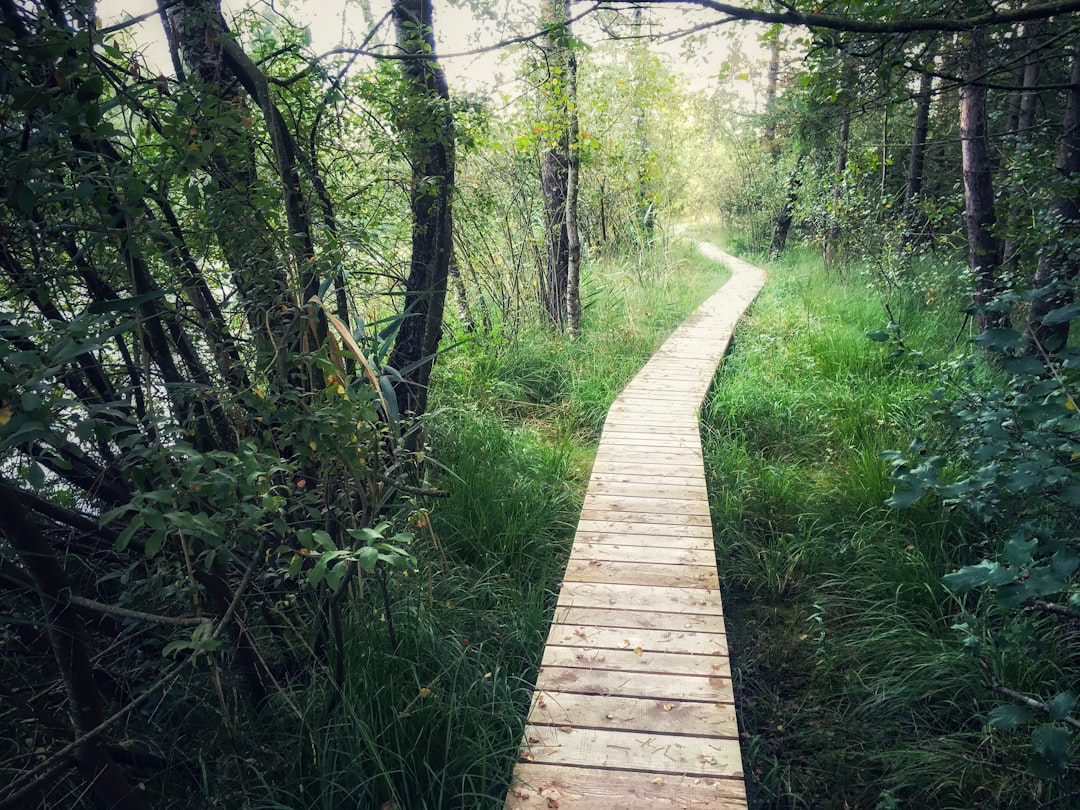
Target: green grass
(436, 722)
(853, 690)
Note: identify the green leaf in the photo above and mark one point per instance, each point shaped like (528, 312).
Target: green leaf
(1062, 704)
(1050, 741)
(1061, 315)
(367, 558)
(122, 304)
(878, 337)
(986, 573)
(1008, 717)
(999, 339)
(903, 498)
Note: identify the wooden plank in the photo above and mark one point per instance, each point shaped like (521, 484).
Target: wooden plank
(635, 662)
(656, 489)
(634, 714)
(631, 750)
(661, 555)
(642, 573)
(640, 504)
(641, 597)
(655, 526)
(623, 638)
(642, 518)
(661, 686)
(606, 478)
(543, 787)
(652, 471)
(632, 458)
(673, 541)
(629, 618)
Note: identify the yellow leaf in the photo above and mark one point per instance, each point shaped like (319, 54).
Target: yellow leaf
(425, 692)
(313, 446)
(638, 651)
(5, 414)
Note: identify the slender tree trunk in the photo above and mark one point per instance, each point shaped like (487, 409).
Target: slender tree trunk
(984, 250)
(787, 211)
(1023, 126)
(67, 639)
(771, 84)
(573, 236)
(1058, 266)
(555, 169)
(915, 230)
(832, 235)
(427, 127)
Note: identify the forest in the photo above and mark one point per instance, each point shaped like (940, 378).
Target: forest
(305, 351)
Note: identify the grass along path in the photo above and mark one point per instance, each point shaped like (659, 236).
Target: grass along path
(852, 689)
(436, 723)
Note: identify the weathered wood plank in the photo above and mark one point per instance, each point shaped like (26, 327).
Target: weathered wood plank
(543, 787)
(629, 553)
(641, 597)
(623, 638)
(637, 661)
(654, 489)
(641, 518)
(674, 541)
(630, 618)
(629, 750)
(605, 479)
(634, 714)
(642, 503)
(657, 471)
(641, 573)
(655, 527)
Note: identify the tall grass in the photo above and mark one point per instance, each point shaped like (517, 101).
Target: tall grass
(854, 691)
(435, 722)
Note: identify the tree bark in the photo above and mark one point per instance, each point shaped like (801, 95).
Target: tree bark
(1022, 129)
(832, 235)
(787, 211)
(426, 124)
(1058, 265)
(915, 230)
(573, 236)
(67, 639)
(984, 249)
(555, 169)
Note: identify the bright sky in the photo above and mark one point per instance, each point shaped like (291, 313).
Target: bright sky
(458, 28)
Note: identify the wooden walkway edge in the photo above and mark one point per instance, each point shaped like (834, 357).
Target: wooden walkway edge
(633, 704)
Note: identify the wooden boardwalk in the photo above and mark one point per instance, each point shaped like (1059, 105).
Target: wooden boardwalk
(633, 705)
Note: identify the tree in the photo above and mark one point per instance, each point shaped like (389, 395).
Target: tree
(559, 165)
(426, 123)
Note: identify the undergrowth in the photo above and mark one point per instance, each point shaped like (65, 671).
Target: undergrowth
(854, 690)
(435, 722)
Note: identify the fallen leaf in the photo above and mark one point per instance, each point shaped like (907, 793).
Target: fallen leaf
(638, 651)
(667, 707)
(625, 644)
(425, 692)
(548, 751)
(522, 793)
(532, 740)
(658, 781)
(565, 729)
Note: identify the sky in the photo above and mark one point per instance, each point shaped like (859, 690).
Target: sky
(458, 29)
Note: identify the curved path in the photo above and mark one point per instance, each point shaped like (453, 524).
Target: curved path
(633, 704)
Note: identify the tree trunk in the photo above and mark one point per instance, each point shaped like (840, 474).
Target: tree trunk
(554, 175)
(771, 84)
(426, 124)
(832, 235)
(1022, 129)
(915, 229)
(67, 639)
(984, 250)
(1058, 265)
(573, 237)
(787, 210)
